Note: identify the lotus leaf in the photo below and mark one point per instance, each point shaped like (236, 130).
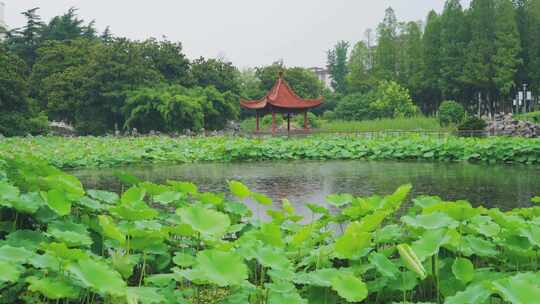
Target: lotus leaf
(28, 203)
(239, 190)
(270, 234)
(28, 239)
(65, 183)
(384, 265)
(463, 269)
(15, 254)
(205, 221)
(184, 187)
(349, 287)
(183, 259)
(9, 272)
(262, 199)
(110, 229)
(272, 258)
(57, 201)
(104, 196)
(134, 211)
(430, 243)
(98, 276)
(339, 200)
(474, 293)
(168, 197)
(519, 289)
(211, 198)
(144, 295)
(70, 233)
(430, 221)
(221, 268)
(53, 288)
(8, 192)
(351, 244)
(133, 195)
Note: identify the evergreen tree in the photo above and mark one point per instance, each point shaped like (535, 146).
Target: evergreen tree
(25, 41)
(337, 65)
(479, 67)
(410, 71)
(453, 42)
(507, 43)
(386, 55)
(359, 78)
(431, 42)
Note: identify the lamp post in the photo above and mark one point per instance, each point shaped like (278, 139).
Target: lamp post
(523, 98)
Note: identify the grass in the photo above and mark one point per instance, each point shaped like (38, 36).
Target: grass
(419, 123)
(533, 117)
(388, 124)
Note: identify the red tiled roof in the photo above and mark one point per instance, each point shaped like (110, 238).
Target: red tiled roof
(281, 96)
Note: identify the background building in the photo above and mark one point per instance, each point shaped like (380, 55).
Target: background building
(324, 76)
(3, 24)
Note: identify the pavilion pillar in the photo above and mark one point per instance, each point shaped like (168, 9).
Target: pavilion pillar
(273, 122)
(258, 125)
(288, 122)
(305, 121)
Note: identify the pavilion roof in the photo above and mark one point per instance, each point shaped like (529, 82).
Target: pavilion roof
(281, 96)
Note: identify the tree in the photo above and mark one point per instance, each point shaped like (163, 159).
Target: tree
(303, 81)
(337, 66)
(386, 55)
(168, 58)
(214, 72)
(410, 72)
(479, 68)
(453, 42)
(17, 114)
(67, 27)
(359, 78)
(506, 60)
(431, 46)
(25, 41)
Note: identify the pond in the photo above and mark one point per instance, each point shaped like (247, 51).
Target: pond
(500, 186)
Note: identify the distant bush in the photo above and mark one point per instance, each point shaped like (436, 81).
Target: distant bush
(329, 115)
(313, 120)
(532, 117)
(451, 112)
(472, 123)
(387, 100)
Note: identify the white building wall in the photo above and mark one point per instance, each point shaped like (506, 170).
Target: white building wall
(3, 23)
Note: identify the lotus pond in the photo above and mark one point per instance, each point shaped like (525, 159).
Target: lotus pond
(502, 186)
(171, 242)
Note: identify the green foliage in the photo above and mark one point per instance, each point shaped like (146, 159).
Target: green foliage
(473, 123)
(195, 256)
(111, 151)
(451, 112)
(385, 124)
(18, 115)
(337, 66)
(387, 100)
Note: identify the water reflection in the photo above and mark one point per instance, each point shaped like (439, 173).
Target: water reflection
(501, 186)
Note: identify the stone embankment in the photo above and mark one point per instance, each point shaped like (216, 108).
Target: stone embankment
(505, 124)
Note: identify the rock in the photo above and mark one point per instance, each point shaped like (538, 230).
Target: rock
(60, 128)
(505, 124)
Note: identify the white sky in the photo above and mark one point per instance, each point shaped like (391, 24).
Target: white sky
(246, 32)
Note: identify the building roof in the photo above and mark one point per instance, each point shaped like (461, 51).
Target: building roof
(281, 96)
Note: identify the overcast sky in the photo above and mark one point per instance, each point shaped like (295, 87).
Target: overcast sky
(246, 32)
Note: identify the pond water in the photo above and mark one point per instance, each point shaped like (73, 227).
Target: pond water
(501, 186)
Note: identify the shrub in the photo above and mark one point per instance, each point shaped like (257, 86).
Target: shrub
(451, 112)
(355, 107)
(472, 123)
(393, 100)
(313, 120)
(329, 115)
(387, 100)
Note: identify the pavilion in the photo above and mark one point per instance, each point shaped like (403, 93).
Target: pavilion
(281, 99)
